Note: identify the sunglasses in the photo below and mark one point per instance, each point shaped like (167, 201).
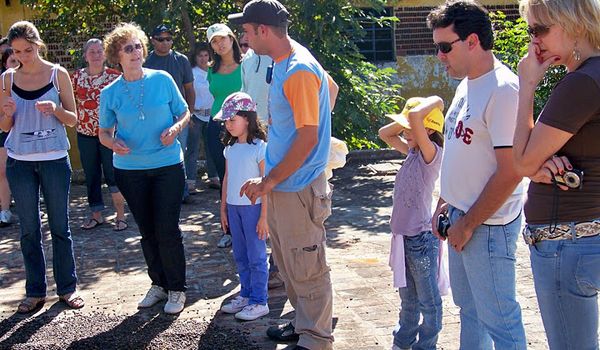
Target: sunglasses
(445, 47)
(162, 40)
(130, 48)
(538, 30)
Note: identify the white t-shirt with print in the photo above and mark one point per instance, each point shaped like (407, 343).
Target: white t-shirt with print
(242, 165)
(481, 118)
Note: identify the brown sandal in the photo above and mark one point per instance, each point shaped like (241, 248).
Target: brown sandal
(30, 305)
(73, 300)
(120, 225)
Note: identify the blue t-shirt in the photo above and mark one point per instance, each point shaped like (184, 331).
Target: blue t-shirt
(161, 102)
(282, 130)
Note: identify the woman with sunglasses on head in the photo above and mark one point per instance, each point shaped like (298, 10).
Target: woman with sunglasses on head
(561, 154)
(96, 159)
(224, 78)
(148, 161)
(9, 60)
(37, 103)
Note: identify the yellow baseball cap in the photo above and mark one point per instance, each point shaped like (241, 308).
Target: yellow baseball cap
(434, 120)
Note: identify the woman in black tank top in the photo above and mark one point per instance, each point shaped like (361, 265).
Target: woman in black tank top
(36, 103)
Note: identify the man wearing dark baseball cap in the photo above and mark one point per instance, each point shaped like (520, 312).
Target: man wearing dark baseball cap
(301, 97)
(269, 12)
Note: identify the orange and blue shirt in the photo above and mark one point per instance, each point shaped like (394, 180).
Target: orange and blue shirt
(298, 97)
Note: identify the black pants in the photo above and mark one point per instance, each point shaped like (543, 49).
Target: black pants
(154, 198)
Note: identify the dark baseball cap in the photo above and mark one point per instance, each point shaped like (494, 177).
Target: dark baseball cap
(161, 28)
(269, 12)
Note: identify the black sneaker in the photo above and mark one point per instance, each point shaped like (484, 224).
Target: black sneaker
(283, 332)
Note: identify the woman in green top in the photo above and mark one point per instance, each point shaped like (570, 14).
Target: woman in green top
(224, 78)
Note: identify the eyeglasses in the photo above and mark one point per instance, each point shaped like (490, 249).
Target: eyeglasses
(130, 48)
(445, 47)
(538, 30)
(161, 40)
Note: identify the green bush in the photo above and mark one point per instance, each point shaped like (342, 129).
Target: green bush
(510, 45)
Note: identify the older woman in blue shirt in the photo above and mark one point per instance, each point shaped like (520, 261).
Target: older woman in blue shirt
(148, 112)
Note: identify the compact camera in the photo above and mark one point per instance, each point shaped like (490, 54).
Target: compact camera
(443, 224)
(571, 179)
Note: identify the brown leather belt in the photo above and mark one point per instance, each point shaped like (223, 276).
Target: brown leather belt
(561, 231)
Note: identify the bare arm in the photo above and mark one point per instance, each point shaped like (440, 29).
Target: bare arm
(190, 95)
(7, 106)
(67, 111)
(306, 139)
(223, 211)
(262, 227)
(169, 134)
(533, 144)
(333, 90)
(498, 188)
(107, 138)
(416, 116)
(390, 134)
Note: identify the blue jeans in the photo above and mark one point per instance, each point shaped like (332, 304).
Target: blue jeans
(249, 252)
(52, 177)
(95, 160)
(482, 278)
(216, 147)
(197, 133)
(183, 139)
(421, 295)
(566, 274)
(154, 198)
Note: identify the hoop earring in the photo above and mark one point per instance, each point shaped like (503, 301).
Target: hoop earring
(576, 53)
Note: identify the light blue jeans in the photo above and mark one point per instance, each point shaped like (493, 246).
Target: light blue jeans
(421, 295)
(566, 274)
(482, 278)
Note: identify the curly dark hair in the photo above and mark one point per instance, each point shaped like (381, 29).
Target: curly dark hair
(256, 129)
(199, 47)
(467, 16)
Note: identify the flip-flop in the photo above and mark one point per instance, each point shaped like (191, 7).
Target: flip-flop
(30, 305)
(74, 301)
(121, 228)
(91, 221)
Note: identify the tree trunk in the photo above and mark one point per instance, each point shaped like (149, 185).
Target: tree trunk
(187, 27)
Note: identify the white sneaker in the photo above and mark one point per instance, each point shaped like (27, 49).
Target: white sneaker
(396, 347)
(154, 295)
(236, 305)
(224, 242)
(175, 303)
(252, 312)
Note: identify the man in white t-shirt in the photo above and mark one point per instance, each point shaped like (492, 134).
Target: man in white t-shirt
(480, 189)
(254, 81)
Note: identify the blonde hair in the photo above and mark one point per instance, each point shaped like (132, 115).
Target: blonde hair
(576, 17)
(114, 41)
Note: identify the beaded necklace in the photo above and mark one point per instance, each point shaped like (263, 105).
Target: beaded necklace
(141, 99)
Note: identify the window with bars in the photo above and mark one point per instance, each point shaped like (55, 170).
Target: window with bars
(378, 43)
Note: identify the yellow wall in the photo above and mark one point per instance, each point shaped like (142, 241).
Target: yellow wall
(18, 12)
(11, 14)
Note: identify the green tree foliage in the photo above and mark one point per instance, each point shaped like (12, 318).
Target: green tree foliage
(327, 27)
(510, 45)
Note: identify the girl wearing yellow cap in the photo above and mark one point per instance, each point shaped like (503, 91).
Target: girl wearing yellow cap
(415, 251)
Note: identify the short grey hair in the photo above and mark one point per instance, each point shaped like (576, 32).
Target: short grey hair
(89, 43)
